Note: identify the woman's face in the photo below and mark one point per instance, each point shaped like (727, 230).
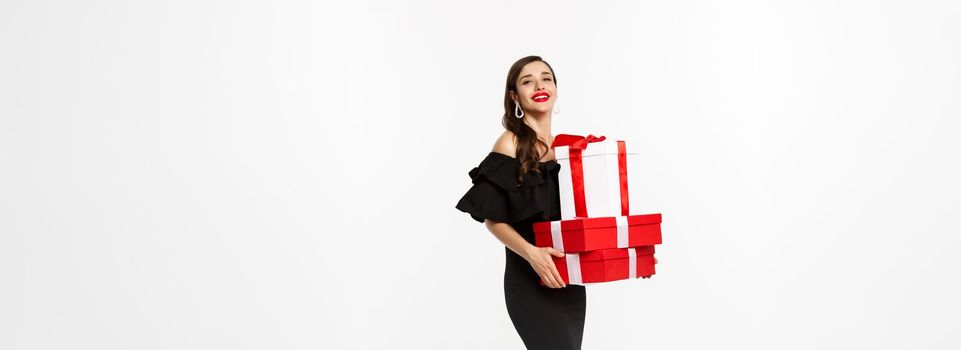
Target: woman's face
(536, 91)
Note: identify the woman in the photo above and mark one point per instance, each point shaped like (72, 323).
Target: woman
(515, 186)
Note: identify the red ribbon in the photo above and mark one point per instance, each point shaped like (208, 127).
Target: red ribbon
(622, 171)
(575, 141)
(576, 144)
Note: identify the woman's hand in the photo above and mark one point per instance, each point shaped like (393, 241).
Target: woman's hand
(540, 260)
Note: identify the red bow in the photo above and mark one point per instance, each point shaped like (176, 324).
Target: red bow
(575, 141)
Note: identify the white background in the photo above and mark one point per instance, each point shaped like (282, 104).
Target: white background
(254, 175)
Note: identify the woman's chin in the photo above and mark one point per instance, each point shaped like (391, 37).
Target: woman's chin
(542, 109)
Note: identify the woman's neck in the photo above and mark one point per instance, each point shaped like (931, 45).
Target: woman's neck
(541, 125)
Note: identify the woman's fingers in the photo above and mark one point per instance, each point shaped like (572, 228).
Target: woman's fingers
(543, 264)
(550, 271)
(545, 274)
(551, 281)
(548, 281)
(557, 275)
(544, 277)
(556, 253)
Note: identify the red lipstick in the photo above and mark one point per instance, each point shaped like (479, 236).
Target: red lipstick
(537, 97)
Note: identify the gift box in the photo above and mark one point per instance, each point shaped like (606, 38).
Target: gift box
(601, 240)
(606, 265)
(580, 235)
(593, 178)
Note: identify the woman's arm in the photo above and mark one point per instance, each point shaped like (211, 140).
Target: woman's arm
(539, 258)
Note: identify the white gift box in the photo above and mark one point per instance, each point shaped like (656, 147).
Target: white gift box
(601, 175)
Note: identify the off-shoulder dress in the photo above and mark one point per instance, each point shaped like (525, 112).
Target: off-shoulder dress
(545, 318)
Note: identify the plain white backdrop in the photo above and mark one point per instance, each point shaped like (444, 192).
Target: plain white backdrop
(282, 175)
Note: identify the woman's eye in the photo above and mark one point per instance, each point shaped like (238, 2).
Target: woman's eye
(547, 79)
(525, 82)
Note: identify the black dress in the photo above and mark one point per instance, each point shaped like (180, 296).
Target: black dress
(545, 318)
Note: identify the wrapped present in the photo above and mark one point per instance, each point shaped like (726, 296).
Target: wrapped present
(606, 265)
(593, 179)
(580, 235)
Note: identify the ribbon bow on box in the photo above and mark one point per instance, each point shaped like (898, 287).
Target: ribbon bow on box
(575, 141)
(577, 144)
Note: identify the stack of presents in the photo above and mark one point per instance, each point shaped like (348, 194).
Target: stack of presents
(601, 240)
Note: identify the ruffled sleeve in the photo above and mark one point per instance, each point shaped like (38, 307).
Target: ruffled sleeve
(495, 193)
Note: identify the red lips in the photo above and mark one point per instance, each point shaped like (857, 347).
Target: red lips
(541, 94)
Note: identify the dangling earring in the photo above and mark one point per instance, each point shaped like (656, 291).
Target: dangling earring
(557, 107)
(518, 112)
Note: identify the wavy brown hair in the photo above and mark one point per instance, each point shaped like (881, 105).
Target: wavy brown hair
(527, 141)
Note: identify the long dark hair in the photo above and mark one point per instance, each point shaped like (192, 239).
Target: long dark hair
(526, 146)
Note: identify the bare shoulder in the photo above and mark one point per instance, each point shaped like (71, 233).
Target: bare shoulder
(505, 144)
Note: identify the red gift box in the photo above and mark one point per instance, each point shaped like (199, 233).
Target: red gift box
(587, 234)
(606, 265)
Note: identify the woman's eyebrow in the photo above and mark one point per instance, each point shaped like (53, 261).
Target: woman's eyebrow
(548, 73)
